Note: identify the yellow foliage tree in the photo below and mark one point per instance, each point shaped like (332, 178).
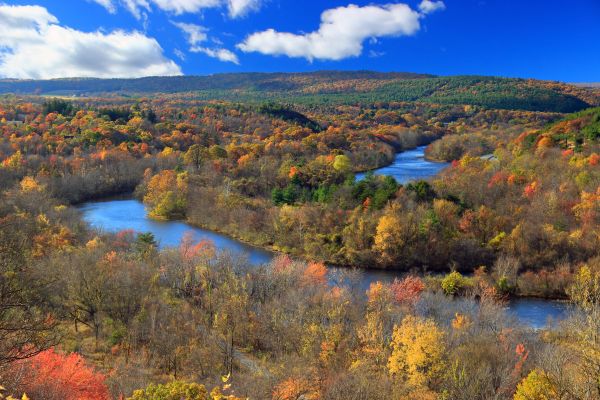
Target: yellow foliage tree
(342, 163)
(461, 322)
(395, 230)
(166, 194)
(585, 290)
(14, 161)
(29, 184)
(417, 352)
(167, 152)
(535, 386)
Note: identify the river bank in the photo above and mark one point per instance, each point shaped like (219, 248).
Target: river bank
(116, 215)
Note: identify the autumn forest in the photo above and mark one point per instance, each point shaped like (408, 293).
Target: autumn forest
(271, 161)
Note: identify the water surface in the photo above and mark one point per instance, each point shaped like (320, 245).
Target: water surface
(539, 313)
(118, 215)
(409, 165)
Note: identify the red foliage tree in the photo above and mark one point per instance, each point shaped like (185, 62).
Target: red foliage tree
(281, 263)
(53, 376)
(408, 289)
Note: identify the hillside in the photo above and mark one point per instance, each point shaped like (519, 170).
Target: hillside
(578, 131)
(247, 82)
(334, 87)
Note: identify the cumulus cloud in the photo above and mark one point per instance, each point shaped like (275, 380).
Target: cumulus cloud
(139, 8)
(218, 53)
(428, 6)
(342, 32)
(34, 45)
(196, 35)
(18, 23)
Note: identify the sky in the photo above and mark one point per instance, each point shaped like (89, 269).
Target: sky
(543, 39)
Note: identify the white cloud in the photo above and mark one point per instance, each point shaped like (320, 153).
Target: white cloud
(108, 4)
(195, 33)
(218, 53)
(179, 54)
(240, 8)
(19, 23)
(185, 6)
(236, 8)
(376, 54)
(342, 32)
(428, 6)
(137, 7)
(33, 45)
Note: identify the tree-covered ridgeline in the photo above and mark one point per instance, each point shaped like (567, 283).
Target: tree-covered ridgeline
(333, 87)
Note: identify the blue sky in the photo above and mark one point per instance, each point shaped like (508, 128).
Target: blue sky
(549, 39)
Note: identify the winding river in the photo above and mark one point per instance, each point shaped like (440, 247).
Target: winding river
(409, 165)
(119, 214)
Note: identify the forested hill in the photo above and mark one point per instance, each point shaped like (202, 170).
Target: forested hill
(334, 87)
(311, 82)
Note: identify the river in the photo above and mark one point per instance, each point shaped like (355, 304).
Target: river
(120, 214)
(409, 165)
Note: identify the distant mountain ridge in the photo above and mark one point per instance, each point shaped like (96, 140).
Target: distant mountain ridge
(276, 81)
(333, 87)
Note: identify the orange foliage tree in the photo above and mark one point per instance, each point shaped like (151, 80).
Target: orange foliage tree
(53, 376)
(315, 274)
(295, 388)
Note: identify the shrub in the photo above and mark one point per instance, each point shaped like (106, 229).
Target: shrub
(454, 283)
